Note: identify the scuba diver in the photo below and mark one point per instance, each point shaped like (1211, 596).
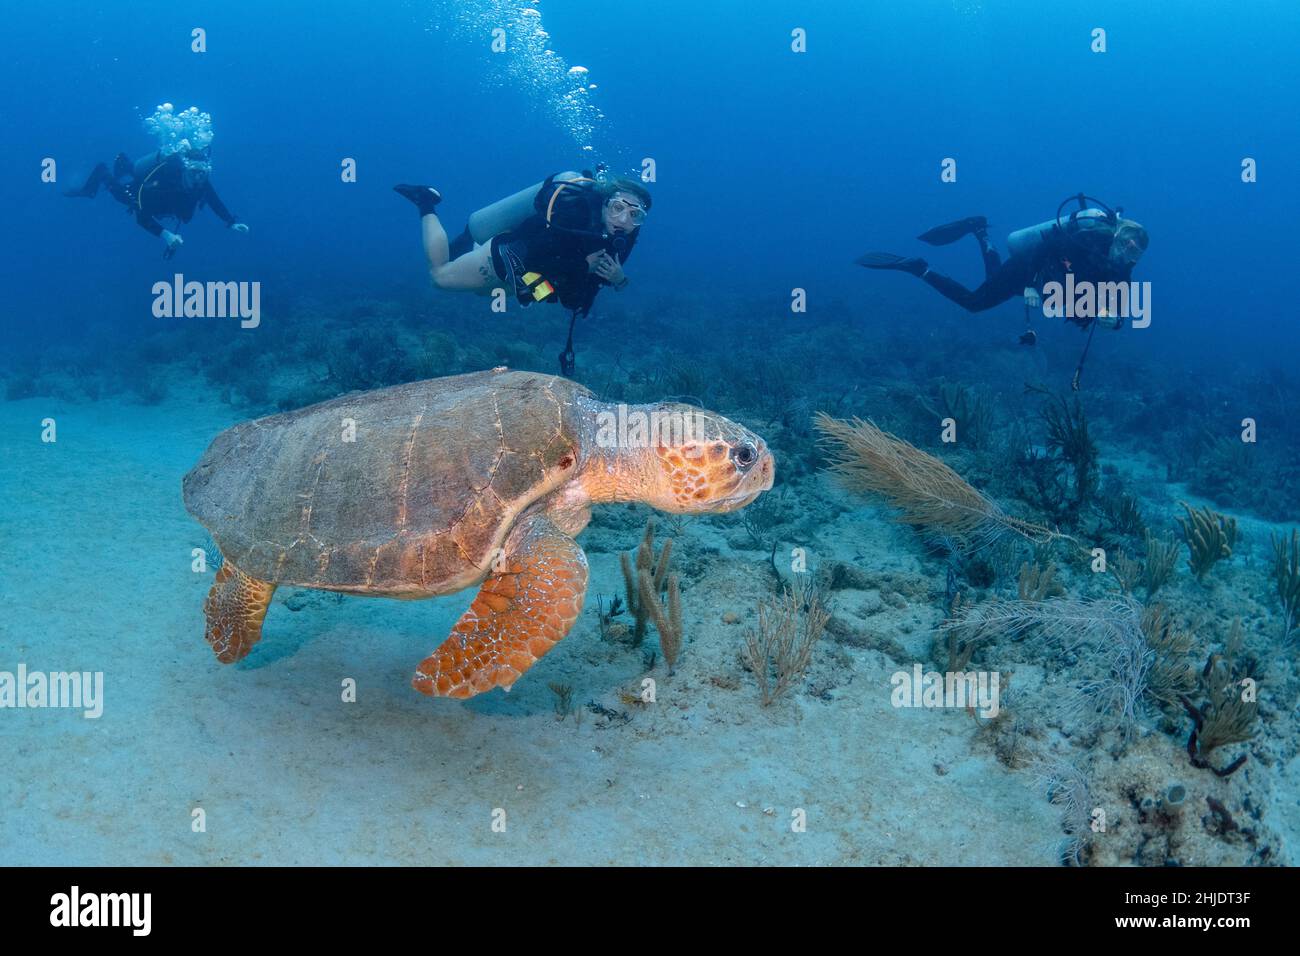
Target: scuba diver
(168, 183)
(558, 241)
(1094, 244)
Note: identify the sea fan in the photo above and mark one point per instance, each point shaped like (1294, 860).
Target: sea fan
(929, 494)
(1115, 631)
(1060, 624)
(1068, 787)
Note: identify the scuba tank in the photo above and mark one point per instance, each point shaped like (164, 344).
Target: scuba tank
(146, 164)
(506, 214)
(1084, 221)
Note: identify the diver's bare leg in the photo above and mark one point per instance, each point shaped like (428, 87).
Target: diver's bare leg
(472, 272)
(435, 241)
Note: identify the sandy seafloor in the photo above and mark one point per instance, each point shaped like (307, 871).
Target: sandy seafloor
(95, 574)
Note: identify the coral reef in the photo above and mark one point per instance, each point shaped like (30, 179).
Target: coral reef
(1140, 655)
(668, 622)
(1071, 456)
(1210, 537)
(1172, 674)
(1205, 448)
(1158, 569)
(1068, 787)
(1228, 716)
(1114, 701)
(1038, 582)
(1286, 576)
(1061, 623)
(1103, 683)
(1122, 515)
(610, 629)
(648, 567)
(928, 493)
(1126, 572)
(969, 408)
(779, 650)
(764, 516)
(958, 648)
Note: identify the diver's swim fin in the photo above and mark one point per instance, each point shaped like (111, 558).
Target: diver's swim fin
(1029, 338)
(90, 188)
(950, 232)
(426, 198)
(886, 260)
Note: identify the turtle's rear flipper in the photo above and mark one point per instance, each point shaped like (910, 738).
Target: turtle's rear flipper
(235, 608)
(521, 612)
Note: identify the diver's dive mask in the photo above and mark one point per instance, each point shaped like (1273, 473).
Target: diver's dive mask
(1127, 246)
(619, 208)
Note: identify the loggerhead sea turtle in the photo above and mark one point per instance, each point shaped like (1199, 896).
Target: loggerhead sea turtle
(427, 488)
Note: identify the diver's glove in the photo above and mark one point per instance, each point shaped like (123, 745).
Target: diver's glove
(239, 227)
(173, 243)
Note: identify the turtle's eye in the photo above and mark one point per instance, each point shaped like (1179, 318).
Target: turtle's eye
(745, 455)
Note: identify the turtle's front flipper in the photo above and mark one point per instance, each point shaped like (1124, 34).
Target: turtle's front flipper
(519, 614)
(235, 608)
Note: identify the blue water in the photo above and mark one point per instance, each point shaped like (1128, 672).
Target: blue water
(774, 170)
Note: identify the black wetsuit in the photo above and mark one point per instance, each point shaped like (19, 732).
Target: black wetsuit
(558, 250)
(154, 187)
(1049, 262)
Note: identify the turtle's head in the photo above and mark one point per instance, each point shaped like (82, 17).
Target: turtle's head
(682, 459)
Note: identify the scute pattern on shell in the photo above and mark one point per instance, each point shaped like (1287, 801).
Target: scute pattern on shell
(414, 505)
